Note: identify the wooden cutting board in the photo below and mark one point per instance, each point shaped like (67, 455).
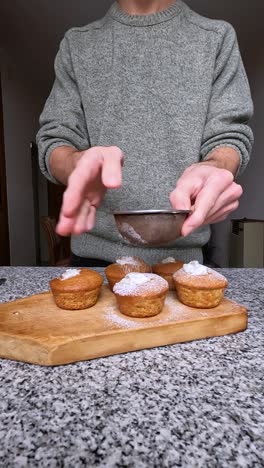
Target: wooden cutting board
(35, 330)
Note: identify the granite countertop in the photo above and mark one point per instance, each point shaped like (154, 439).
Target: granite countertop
(193, 405)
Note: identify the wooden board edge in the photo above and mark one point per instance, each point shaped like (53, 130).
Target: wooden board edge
(51, 355)
(8, 342)
(137, 341)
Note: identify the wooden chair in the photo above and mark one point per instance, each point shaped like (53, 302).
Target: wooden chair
(59, 250)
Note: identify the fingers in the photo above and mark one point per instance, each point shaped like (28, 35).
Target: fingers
(85, 172)
(65, 225)
(75, 225)
(187, 188)
(85, 221)
(108, 160)
(82, 218)
(232, 194)
(223, 213)
(98, 169)
(90, 222)
(216, 183)
(112, 167)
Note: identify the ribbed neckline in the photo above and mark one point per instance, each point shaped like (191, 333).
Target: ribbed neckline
(145, 20)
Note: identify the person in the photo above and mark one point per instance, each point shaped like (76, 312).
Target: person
(149, 110)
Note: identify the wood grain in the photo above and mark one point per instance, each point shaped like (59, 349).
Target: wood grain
(35, 330)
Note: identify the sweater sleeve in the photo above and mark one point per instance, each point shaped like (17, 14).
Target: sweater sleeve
(62, 121)
(230, 107)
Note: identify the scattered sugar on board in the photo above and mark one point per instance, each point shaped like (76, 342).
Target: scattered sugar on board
(172, 312)
(114, 318)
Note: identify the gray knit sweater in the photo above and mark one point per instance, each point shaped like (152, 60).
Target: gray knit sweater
(167, 88)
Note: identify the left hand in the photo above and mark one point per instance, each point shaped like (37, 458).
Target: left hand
(209, 192)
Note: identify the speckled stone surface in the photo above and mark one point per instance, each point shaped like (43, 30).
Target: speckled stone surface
(194, 405)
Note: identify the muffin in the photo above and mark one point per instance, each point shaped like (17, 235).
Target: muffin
(199, 286)
(141, 294)
(76, 289)
(124, 265)
(166, 268)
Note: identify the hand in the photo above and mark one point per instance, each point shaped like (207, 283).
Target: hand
(209, 192)
(98, 169)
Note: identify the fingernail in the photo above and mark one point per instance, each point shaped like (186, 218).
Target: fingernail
(113, 183)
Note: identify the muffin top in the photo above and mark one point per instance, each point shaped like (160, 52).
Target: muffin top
(125, 265)
(199, 276)
(141, 284)
(167, 266)
(73, 280)
(130, 261)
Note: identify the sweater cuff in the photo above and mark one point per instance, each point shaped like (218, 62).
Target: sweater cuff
(238, 147)
(45, 163)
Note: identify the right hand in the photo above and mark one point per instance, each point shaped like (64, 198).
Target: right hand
(98, 169)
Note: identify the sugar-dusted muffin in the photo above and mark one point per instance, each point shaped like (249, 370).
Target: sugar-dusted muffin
(166, 268)
(124, 265)
(76, 289)
(199, 286)
(141, 294)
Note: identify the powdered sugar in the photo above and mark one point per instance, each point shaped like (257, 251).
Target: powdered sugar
(128, 261)
(168, 260)
(215, 274)
(115, 318)
(131, 282)
(194, 268)
(140, 283)
(171, 313)
(129, 233)
(201, 280)
(70, 273)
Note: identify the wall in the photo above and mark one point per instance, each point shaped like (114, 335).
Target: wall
(26, 63)
(247, 17)
(252, 202)
(252, 205)
(21, 106)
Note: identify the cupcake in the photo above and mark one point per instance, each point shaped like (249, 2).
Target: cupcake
(141, 294)
(166, 268)
(199, 286)
(124, 265)
(76, 289)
